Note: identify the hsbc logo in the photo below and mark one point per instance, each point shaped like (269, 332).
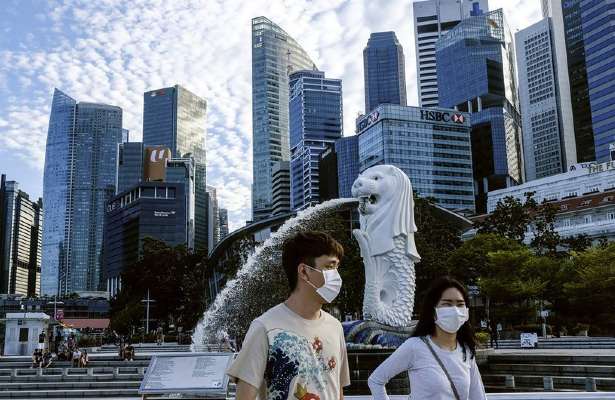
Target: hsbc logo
(439, 116)
(458, 118)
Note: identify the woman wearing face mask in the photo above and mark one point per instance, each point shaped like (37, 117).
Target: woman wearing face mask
(440, 357)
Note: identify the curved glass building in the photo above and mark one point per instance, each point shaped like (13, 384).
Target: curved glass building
(79, 178)
(274, 56)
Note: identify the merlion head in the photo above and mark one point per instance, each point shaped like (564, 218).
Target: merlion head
(386, 208)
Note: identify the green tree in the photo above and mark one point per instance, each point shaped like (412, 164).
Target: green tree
(591, 287)
(175, 279)
(510, 218)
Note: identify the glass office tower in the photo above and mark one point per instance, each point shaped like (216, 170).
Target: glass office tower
(21, 224)
(174, 117)
(431, 145)
(79, 178)
(384, 71)
(476, 74)
(432, 19)
(598, 22)
(274, 56)
(546, 114)
(316, 120)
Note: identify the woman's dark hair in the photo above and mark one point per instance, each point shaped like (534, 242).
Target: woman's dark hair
(304, 247)
(427, 324)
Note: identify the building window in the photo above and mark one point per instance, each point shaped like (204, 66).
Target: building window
(611, 216)
(587, 219)
(567, 223)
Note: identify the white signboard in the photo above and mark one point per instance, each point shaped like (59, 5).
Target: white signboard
(529, 340)
(200, 374)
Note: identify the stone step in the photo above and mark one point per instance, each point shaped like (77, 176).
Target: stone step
(527, 381)
(91, 364)
(530, 358)
(69, 394)
(592, 371)
(48, 386)
(72, 378)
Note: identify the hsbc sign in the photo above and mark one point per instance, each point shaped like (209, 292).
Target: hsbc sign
(369, 120)
(439, 116)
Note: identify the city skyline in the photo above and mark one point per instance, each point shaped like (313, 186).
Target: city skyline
(113, 54)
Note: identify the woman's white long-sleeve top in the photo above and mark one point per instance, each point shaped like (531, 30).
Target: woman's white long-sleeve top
(427, 380)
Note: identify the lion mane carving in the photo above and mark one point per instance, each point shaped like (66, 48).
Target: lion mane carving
(386, 240)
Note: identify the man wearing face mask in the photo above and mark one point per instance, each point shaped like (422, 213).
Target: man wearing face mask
(296, 350)
(441, 356)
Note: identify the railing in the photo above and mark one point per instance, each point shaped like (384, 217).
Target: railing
(524, 396)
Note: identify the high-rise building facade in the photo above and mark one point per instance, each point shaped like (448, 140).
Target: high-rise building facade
(223, 223)
(280, 187)
(213, 218)
(598, 24)
(328, 186)
(129, 165)
(476, 74)
(431, 145)
(174, 117)
(347, 154)
(21, 223)
(384, 72)
(432, 19)
(274, 55)
(79, 178)
(316, 121)
(572, 73)
(548, 130)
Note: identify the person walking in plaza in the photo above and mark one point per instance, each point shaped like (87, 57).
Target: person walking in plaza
(296, 350)
(76, 357)
(84, 359)
(441, 356)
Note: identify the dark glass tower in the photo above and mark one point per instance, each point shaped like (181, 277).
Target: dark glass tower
(577, 71)
(79, 178)
(476, 74)
(176, 118)
(384, 71)
(315, 112)
(274, 55)
(598, 22)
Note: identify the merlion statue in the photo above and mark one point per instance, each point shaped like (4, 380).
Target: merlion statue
(386, 240)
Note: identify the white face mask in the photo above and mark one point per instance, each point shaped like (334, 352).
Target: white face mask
(450, 319)
(332, 286)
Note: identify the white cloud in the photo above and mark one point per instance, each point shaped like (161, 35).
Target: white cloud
(112, 51)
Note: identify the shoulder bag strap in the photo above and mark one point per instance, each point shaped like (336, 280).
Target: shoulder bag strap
(430, 347)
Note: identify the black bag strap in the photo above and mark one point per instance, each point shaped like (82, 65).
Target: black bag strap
(430, 347)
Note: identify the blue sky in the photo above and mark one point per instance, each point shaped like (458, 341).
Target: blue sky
(111, 51)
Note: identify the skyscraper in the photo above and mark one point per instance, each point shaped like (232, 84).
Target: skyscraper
(274, 55)
(347, 151)
(79, 178)
(476, 74)
(315, 114)
(384, 73)
(21, 223)
(431, 145)
(174, 117)
(432, 19)
(280, 187)
(129, 165)
(162, 209)
(572, 72)
(213, 218)
(223, 223)
(598, 23)
(548, 130)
